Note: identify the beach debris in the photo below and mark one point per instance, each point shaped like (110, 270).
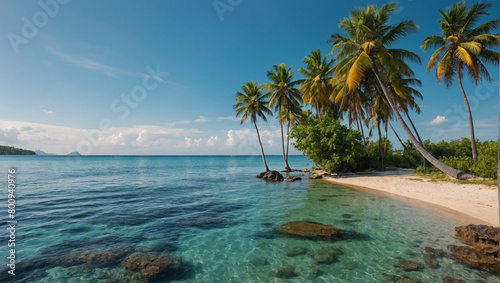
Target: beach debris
(452, 280)
(327, 255)
(485, 240)
(408, 265)
(306, 171)
(271, 175)
(305, 229)
(283, 272)
(152, 264)
(292, 178)
(296, 251)
(476, 258)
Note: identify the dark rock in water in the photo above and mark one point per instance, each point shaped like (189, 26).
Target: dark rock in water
(476, 258)
(327, 255)
(271, 175)
(350, 265)
(259, 262)
(284, 272)
(434, 252)
(306, 171)
(296, 251)
(309, 230)
(260, 175)
(152, 264)
(322, 199)
(478, 234)
(409, 280)
(292, 178)
(390, 277)
(452, 280)
(428, 258)
(315, 176)
(347, 215)
(269, 235)
(95, 256)
(408, 265)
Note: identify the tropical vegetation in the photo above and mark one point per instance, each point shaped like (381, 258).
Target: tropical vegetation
(10, 150)
(368, 82)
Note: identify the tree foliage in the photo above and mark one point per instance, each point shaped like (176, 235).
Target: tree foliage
(10, 150)
(328, 143)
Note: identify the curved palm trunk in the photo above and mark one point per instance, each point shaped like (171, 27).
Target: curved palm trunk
(287, 147)
(424, 162)
(397, 136)
(261, 147)
(385, 141)
(450, 171)
(381, 152)
(471, 124)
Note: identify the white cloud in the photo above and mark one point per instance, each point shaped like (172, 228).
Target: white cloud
(48, 112)
(213, 140)
(438, 120)
(201, 119)
(228, 118)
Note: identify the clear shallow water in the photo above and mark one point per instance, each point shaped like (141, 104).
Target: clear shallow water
(213, 214)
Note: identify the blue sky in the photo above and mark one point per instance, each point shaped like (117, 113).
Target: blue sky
(159, 77)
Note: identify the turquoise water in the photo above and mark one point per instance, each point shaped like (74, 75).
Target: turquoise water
(212, 213)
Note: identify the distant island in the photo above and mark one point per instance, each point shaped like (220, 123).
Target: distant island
(10, 150)
(43, 153)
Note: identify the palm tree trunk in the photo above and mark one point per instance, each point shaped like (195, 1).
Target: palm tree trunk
(397, 136)
(450, 171)
(282, 137)
(424, 162)
(413, 126)
(261, 147)
(318, 111)
(287, 147)
(380, 146)
(385, 141)
(471, 124)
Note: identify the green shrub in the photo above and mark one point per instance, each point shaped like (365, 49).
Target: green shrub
(328, 143)
(422, 170)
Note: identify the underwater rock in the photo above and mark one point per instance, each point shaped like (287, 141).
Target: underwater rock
(409, 280)
(271, 175)
(306, 229)
(259, 262)
(94, 256)
(434, 252)
(292, 178)
(452, 280)
(476, 258)
(428, 258)
(151, 264)
(327, 255)
(296, 251)
(283, 272)
(408, 265)
(350, 265)
(478, 234)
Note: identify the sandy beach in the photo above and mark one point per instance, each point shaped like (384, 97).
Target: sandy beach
(477, 204)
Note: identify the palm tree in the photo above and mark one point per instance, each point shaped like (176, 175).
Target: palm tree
(316, 88)
(463, 48)
(283, 95)
(251, 104)
(366, 49)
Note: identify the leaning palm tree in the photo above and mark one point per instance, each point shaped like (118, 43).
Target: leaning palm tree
(315, 88)
(251, 104)
(366, 49)
(283, 96)
(463, 47)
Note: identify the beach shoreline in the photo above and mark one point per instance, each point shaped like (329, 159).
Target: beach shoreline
(471, 203)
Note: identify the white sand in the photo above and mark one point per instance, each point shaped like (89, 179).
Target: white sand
(473, 203)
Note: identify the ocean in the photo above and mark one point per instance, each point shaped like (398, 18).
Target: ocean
(207, 219)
